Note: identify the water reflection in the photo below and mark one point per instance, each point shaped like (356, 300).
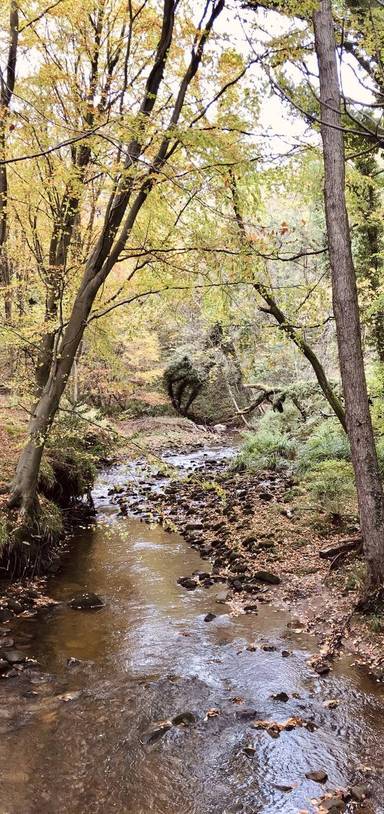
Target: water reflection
(149, 655)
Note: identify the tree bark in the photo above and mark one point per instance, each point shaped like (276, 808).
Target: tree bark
(7, 84)
(345, 302)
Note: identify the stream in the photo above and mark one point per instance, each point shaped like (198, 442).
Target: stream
(77, 737)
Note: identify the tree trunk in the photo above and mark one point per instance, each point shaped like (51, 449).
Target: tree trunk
(306, 350)
(345, 303)
(7, 84)
(286, 326)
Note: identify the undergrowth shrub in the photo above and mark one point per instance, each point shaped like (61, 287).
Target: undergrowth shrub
(330, 485)
(328, 442)
(50, 521)
(75, 448)
(266, 449)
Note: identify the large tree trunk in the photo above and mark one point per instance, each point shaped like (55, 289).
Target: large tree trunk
(345, 302)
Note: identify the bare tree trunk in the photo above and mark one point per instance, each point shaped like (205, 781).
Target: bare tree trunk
(7, 84)
(345, 303)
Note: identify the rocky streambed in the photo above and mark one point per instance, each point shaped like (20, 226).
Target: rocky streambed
(171, 696)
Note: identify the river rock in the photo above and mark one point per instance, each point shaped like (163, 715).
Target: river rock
(5, 615)
(86, 601)
(73, 662)
(196, 526)
(280, 696)
(4, 666)
(14, 656)
(188, 583)
(359, 793)
(319, 776)
(6, 641)
(267, 576)
(157, 731)
(184, 718)
(223, 597)
(209, 617)
(15, 606)
(334, 805)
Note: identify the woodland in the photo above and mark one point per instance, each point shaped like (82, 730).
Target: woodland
(192, 262)
(162, 172)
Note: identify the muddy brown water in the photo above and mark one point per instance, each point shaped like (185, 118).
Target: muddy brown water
(149, 655)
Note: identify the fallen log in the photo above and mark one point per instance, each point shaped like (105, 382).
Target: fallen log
(342, 547)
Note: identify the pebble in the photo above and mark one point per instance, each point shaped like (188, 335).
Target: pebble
(280, 696)
(319, 776)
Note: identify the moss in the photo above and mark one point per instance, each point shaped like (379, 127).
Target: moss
(50, 521)
(3, 531)
(31, 545)
(46, 477)
(74, 450)
(74, 473)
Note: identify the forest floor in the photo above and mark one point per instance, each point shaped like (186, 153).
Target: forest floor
(246, 525)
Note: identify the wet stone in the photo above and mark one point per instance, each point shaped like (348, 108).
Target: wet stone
(222, 597)
(359, 793)
(15, 606)
(249, 750)
(86, 601)
(280, 696)
(184, 719)
(319, 776)
(14, 656)
(4, 666)
(188, 583)
(157, 731)
(209, 617)
(73, 662)
(267, 576)
(5, 615)
(333, 805)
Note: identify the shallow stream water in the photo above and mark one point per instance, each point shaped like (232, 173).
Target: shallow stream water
(74, 741)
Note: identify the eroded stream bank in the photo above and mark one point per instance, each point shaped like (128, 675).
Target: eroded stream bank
(76, 735)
